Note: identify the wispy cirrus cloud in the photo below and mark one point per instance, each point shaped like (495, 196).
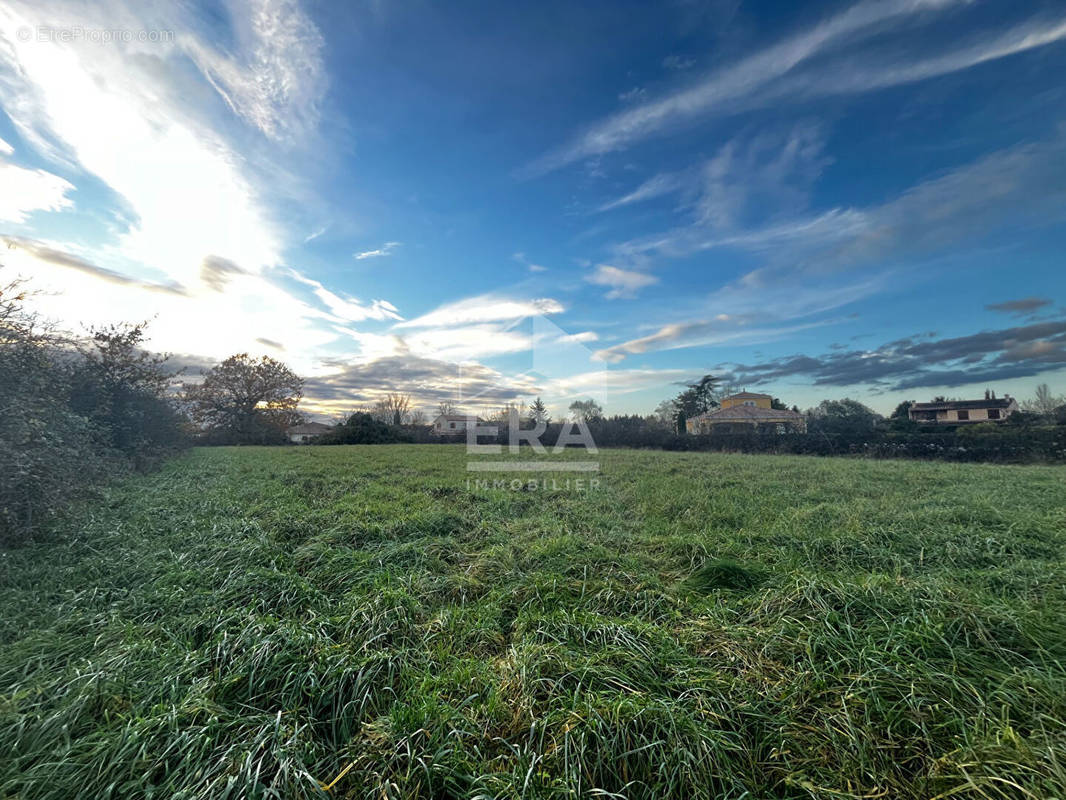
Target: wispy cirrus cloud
(520, 257)
(795, 68)
(722, 329)
(385, 250)
(346, 308)
(766, 176)
(856, 76)
(1025, 183)
(484, 308)
(656, 186)
(678, 63)
(316, 233)
(275, 80)
(757, 313)
(737, 80)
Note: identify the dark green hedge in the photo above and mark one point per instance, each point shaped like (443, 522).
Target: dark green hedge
(999, 444)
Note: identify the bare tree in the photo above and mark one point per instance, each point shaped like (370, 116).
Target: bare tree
(587, 410)
(665, 413)
(417, 418)
(393, 408)
(446, 407)
(503, 414)
(1044, 403)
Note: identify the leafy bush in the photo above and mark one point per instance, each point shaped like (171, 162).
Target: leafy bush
(361, 428)
(71, 416)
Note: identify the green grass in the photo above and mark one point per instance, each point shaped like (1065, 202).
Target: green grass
(255, 622)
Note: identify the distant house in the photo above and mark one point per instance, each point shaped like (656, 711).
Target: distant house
(964, 412)
(747, 411)
(454, 424)
(302, 434)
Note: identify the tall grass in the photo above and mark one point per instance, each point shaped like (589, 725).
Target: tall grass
(270, 622)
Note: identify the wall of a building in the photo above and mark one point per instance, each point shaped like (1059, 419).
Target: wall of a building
(760, 402)
(975, 415)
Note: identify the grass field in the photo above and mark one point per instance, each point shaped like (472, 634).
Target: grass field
(264, 622)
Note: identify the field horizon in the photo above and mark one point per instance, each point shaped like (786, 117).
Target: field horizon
(357, 621)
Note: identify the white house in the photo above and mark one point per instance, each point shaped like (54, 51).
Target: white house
(302, 434)
(454, 424)
(964, 412)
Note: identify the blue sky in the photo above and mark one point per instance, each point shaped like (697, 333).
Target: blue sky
(484, 202)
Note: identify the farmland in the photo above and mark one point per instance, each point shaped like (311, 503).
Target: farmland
(268, 622)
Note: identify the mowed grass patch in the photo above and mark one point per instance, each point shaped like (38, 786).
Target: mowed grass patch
(257, 622)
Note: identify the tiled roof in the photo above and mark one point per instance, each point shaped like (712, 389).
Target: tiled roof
(945, 405)
(750, 413)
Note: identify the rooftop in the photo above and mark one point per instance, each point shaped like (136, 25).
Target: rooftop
(748, 396)
(750, 413)
(944, 405)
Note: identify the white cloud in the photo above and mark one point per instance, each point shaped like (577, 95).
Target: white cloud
(615, 381)
(700, 332)
(141, 119)
(656, 186)
(196, 319)
(315, 234)
(5, 148)
(679, 63)
(385, 250)
(484, 308)
(738, 80)
(23, 191)
(521, 258)
(622, 282)
(1024, 183)
(466, 343)
(349, 309)
(771, 77)
(858, 77)
(275, 80)
(122, 119)
(579, 338)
